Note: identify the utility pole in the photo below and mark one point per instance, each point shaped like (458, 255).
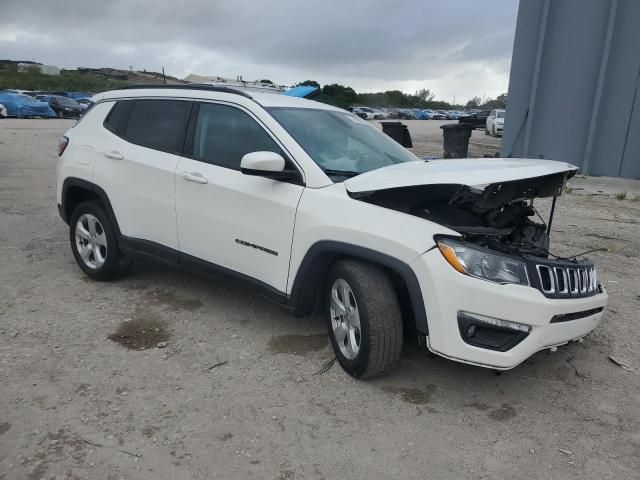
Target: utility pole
(164, 78)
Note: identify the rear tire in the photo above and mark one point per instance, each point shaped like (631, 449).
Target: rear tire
(364, 318)
(94, 243)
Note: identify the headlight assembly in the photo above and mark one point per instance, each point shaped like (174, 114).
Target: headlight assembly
(478, 262)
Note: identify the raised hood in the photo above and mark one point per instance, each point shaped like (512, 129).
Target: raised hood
(476, 173)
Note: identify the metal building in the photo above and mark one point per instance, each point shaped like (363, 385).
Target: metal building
(573, 90)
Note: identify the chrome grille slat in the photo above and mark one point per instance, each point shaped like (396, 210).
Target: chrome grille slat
(567, 281)
(561, 279)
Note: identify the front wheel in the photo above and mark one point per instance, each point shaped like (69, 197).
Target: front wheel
(364, 318)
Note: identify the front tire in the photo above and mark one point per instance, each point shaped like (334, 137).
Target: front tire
(94, 243)
(364, 318)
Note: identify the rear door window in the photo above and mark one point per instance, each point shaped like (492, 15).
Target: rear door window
(224, 134)
(158, 124)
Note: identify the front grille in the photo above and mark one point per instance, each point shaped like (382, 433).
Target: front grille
(567, 281)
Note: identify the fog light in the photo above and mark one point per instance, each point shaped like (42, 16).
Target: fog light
(491, 333)
(472, 331)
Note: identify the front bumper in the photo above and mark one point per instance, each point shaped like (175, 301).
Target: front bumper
(447, 292)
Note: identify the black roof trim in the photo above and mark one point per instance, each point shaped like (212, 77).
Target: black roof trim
(194, 86)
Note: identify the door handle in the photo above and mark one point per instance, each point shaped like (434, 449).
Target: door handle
(114, 155)
(194, 177)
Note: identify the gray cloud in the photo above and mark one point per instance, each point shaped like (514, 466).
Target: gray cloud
(461, 46)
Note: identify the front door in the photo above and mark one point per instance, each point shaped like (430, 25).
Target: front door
(240, 222)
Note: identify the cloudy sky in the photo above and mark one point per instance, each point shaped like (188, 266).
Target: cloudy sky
(452, 47)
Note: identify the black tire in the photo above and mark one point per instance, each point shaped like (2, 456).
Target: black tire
(115, 264)
(380, 318)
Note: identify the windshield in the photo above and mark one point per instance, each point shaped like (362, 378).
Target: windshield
(500, 114)
(342, 144)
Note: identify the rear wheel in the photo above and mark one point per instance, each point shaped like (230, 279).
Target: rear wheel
(364, 318)
(94, 243)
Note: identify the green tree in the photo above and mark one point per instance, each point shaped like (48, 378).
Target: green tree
(308, 83)
(474, 102)
(425, 95)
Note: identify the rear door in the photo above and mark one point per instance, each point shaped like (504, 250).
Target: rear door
(143, 140)
(240, 222)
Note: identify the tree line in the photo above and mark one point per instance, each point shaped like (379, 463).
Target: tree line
(344, 97)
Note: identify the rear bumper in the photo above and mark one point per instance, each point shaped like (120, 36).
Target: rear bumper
(447, 292)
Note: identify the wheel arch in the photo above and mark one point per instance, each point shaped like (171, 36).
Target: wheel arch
(321, 256)
(76, 191)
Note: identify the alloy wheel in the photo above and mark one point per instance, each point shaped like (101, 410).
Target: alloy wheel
(345, 318)
(91, 241)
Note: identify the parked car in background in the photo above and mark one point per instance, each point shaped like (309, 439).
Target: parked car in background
(363, 112)
(477, 119)
(84, 102)
(405, 114)
(23, 106)
(495, 123)
(65, 107)
(438, 115)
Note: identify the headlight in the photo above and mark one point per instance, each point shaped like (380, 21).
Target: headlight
(478, 262)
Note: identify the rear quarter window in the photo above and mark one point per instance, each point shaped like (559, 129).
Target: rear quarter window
(116, 120)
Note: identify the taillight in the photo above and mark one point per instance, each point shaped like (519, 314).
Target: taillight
(62, 145)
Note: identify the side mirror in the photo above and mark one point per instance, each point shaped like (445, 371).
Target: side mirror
(262, 163)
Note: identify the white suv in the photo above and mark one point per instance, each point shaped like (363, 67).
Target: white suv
(320, 210)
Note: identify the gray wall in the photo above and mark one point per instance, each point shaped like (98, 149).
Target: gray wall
(573, 90)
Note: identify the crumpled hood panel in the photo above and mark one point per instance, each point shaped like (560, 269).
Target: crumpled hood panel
(471, 172)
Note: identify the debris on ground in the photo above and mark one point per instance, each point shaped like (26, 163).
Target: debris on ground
(215, 365)
(620, 363)
(325, 368)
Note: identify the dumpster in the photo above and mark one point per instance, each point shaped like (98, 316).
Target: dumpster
(399, 132)
(456, 139)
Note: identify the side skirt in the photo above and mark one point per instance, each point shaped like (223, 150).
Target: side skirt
(150, 251)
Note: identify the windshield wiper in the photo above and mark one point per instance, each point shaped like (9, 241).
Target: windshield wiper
(341, 173)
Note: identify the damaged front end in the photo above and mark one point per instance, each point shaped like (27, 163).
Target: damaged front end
(503, 238)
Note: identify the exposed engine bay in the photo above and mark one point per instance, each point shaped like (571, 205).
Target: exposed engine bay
(499, 216)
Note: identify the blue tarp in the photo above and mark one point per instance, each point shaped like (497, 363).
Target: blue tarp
(19, 105)
(301, 92)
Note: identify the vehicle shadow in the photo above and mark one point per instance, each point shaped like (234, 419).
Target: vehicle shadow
(419, 372)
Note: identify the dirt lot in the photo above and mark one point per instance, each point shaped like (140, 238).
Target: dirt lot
(236, 394)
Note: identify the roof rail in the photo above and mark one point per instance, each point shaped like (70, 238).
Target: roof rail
(192, 86)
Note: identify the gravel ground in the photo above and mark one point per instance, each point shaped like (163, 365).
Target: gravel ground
(236, 394)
